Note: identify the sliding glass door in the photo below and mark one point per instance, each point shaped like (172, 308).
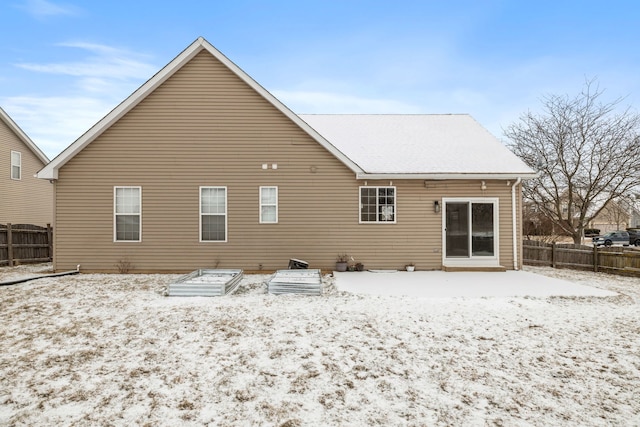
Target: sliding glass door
(482, 232)
(457, 229)
(470, 229)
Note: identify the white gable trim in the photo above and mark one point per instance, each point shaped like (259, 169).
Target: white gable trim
(51, 170)
(23, 137)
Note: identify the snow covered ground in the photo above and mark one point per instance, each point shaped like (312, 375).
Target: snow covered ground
(97, 349)
(441, 284)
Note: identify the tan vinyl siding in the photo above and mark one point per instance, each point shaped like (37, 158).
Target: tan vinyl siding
(205, 127)
(28, 200)
(437, 190)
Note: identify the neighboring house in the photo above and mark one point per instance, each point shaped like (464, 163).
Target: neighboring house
(202, 167)
(24, 199)
(635, 211)
(617, 214)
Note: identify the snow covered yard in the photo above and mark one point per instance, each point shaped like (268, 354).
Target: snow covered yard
(112, 350)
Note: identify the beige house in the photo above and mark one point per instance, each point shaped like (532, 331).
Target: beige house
(24, 199)
(617, 214)
(203, 167)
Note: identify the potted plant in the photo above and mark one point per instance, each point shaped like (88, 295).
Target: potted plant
(410, 267)
(341, 262)
(352, 265)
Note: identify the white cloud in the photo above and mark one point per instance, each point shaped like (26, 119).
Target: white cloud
(42, 9)
(90, 87)
(55, 122)
(105, 64)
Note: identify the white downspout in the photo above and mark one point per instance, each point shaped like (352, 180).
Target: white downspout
(514, 222)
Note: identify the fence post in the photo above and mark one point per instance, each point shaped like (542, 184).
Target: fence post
(553, 254)
(9, 246)
(595, 258)
(50, 241)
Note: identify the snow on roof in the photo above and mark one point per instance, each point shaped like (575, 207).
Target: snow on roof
(372, 146)
(430, 144)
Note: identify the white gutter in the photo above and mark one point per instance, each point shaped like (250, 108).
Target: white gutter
(514, 222)
(444, 176)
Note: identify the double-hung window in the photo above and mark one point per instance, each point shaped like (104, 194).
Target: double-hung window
(268, 205)
(378, 204)
(213, 214)
(16, 165)
(128, 214)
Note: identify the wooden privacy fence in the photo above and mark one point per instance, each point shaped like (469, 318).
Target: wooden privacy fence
(25, 244)
(616, 260)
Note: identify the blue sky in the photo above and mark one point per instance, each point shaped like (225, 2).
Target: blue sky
(64, 64)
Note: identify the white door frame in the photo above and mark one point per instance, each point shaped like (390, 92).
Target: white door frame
(471, 260)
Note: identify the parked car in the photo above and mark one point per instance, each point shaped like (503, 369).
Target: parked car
(634, 236)
(591, 232)
(611, 238)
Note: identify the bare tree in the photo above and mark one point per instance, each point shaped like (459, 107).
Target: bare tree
(586, 153)
(615, 213)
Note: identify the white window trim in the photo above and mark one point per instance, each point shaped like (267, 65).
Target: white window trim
(19, 165)
(395, 204)
(472, 261)
(262, 221)
(226, 216)
(115, 234)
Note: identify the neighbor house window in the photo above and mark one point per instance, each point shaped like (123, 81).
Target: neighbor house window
(378, 204)
(128, 214)
(16, 165)
(213, 214)
(268, 205)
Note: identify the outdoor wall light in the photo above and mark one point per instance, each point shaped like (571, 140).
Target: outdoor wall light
(436, 206)
(483, 186)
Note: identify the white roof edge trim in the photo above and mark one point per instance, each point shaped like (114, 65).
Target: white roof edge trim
(51, 170)
(23, 136)
(443, 176)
